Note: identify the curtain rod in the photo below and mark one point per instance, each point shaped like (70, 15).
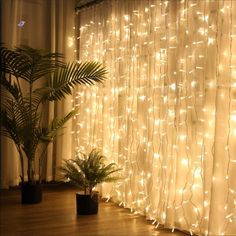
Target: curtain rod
(86, 3)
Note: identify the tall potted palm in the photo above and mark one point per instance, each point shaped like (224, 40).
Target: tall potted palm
(30, 78)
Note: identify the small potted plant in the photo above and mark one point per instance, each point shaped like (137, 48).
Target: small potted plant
(86, 171)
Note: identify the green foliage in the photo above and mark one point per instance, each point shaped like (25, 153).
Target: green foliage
(21, 113)
(86, 171)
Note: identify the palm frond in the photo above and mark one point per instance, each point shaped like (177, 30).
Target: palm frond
(28, 63)
(51, 132)
(11, 62)
(20, 123)
(64, 79)
(8, 127)
(10, 86)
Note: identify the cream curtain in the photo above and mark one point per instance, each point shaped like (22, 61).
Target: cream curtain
(167, 113)
(43, 24)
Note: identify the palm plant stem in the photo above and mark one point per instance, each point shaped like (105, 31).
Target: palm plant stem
(22, 164)
(30, 170)
(41, 160)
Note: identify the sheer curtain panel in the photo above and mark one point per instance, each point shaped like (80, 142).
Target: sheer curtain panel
(167, 113)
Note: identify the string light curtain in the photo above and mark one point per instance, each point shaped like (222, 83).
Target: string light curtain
(167, 113)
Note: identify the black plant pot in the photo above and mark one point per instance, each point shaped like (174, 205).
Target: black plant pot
(31, 193)
(87, 204)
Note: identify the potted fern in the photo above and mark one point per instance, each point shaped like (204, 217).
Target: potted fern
(30, 78)
(87, 171)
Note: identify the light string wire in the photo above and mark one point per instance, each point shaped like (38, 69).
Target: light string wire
(160, 183)
(156, 154)
(203, 145)
(175, 151)
(216, 108)
(133, 121)
(183, 91)
(187, 149)
(229, 120)
(150, 125)
(166, 18)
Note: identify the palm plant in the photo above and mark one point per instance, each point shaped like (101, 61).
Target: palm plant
(86, 171)
(30, 78)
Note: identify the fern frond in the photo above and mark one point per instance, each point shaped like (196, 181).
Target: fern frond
(86, 171)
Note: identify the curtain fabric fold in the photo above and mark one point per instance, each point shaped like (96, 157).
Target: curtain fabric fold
(167, 112)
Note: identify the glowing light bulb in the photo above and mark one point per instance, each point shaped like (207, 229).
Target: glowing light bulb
(220, 67)
(233, 118)
(173, 86)
(233, 74)
(165, 99)
(156, 155)
(158, 56)
(185, 162)
(164, 215)
(193, 83)
(70, 42)
(142, 97)
(210, 41)
(182, 137)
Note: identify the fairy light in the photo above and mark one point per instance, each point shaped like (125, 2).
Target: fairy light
(70, 42)
(159, 113)
(210, 41)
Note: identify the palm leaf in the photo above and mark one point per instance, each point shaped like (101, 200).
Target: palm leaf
(9, 127)
(50, 133)
(28, 63)
(64, 79)
(40, 63)
(10, 86)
